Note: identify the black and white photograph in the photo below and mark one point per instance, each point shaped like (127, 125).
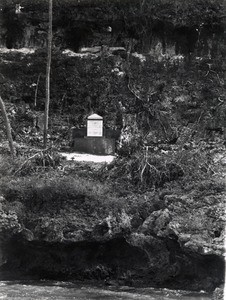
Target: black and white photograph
(112, 149)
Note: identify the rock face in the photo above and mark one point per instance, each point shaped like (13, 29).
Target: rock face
(218, 293)
(130, 24)
(179, 243)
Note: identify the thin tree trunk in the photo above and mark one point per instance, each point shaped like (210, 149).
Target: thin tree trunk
(46, 115)
(36, 90)
(8, 127)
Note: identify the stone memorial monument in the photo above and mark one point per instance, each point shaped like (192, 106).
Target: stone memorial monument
(95, 126)
(95, 139)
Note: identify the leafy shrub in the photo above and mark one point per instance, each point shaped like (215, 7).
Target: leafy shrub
(50, 195)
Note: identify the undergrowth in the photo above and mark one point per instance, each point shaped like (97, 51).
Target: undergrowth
(49, 195)
(147, 170)
(28, 163)
(136, 184)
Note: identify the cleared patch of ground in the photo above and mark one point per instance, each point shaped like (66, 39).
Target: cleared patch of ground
(88, 157)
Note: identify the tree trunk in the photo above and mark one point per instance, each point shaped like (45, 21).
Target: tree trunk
(36, 90)
(46, 115)
(8, 127)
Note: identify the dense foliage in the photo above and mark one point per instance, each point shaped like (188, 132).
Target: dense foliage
(170, 100)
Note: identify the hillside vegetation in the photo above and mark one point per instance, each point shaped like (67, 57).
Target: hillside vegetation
(154, 70)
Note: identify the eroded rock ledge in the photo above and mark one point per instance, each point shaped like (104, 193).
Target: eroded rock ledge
(178, 245)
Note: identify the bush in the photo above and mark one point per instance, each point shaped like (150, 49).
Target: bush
(50, 195)
(147, 170)
(143, 170)
(27, 163)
